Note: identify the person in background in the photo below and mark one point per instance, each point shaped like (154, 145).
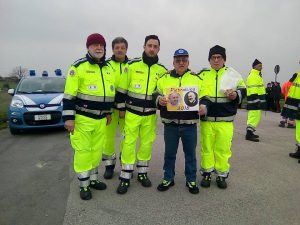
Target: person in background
(269, 97)
(118, 61)
(256, 100)
(217, 110)
(285, 90)
(291, 109)
(276, 93)
(87, 105)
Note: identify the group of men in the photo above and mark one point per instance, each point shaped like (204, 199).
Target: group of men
(101, 95)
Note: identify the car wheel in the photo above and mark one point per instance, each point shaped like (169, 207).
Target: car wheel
(14, 131)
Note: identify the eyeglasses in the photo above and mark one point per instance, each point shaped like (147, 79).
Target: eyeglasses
(181, 60)
(216, 57)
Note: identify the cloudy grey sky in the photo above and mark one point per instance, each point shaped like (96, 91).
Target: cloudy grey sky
(50, 34)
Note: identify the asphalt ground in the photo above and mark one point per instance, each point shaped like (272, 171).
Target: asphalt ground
(263, 187)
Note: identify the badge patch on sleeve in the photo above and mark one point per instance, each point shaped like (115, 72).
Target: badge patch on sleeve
(72, 73)
(112, 87)
(92, 87)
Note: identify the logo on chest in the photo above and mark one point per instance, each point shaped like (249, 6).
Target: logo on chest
(92, 87)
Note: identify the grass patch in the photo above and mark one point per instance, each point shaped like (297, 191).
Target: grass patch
(4, 104)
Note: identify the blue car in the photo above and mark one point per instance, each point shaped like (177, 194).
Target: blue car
(36, 103)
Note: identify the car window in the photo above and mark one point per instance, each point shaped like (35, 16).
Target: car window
(41, 85)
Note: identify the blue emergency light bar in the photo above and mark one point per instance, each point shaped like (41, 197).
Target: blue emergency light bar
(45, 73)
(58, 72)
(31, 73)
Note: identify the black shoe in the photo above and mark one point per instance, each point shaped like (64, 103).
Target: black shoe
(221, 183)
(255, 135)
(295, 155)
(123, 186)
(250, 136)
(299, 161)
(205, 182)
(109, 171)
(98, 185)
(144, 180)
(165, 185)
(85, 193)
(192, 186)
(291, 126)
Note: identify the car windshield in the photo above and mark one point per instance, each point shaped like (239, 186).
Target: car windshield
(41, 85)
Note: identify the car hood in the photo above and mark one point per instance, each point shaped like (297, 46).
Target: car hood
(36, 99)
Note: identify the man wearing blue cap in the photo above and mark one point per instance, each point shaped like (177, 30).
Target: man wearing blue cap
(178, 124)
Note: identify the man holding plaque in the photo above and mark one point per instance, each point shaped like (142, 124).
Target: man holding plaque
(218, 106)
(180, 120)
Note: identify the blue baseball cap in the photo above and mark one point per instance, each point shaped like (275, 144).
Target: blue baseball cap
(181, 52)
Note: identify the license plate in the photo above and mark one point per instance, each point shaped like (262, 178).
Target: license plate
(42, 117)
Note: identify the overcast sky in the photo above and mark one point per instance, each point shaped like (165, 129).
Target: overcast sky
(50, 34)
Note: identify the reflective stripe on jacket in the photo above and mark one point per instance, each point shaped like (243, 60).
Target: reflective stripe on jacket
(137, 86)
(89, 89)
(291, 108)
(219, 107)
(256, 92)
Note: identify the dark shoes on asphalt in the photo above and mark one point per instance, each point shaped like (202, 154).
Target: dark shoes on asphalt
(144, 180)
(205, 182)
(165, 185)
(250, 136)
(123, 186)
(221, 183)
(98, 185)
(109, 172)
(295, 155)
(85, 193)
(192, 186)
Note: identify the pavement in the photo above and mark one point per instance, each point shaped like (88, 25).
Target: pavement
(263, 187)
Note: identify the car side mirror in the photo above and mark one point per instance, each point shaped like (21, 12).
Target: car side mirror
(11, 91)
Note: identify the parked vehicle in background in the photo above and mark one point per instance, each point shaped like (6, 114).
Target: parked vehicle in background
(36, 103)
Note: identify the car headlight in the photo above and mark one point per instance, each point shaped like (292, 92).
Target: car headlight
(17, 103)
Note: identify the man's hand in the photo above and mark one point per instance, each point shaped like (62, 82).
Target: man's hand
(162, 101)
(202, 110)
(231, 94)
(108, 119)
(122, 114)
(70, 125)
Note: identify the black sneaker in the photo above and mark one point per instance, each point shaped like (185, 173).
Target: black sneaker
(281, 124)
(98, 185)
(144, 180)
(85, 193)
(291, 126)
(165, 185)
(221, 183)
(123, 186)
(109, 172)
(205, 182)
(192, 186)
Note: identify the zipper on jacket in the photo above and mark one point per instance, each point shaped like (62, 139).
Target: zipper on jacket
(216, 90)
(102, 81)
(147, 86)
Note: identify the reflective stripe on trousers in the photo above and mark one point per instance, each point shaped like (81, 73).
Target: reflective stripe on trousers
(87, 142)
(215, 139)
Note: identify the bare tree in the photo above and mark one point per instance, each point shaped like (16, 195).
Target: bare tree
(19, 72)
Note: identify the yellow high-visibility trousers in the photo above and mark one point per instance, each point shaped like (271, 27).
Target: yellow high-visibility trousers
(216, 140)
(143, 127)
(253, 119)
(109, 150)
(87, 142)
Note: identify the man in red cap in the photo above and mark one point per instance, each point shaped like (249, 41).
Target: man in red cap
(87, 103)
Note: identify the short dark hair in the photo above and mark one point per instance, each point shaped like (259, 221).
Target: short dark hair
(152, 36)
(118, 40)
